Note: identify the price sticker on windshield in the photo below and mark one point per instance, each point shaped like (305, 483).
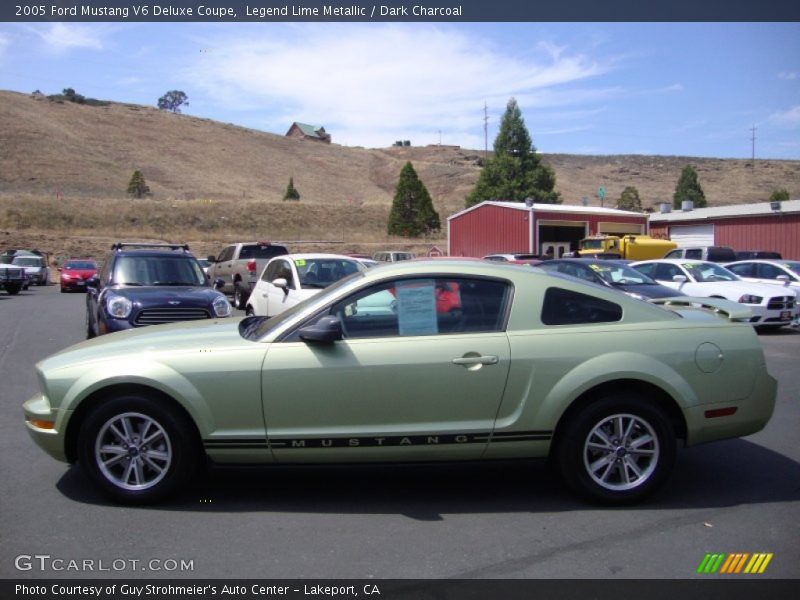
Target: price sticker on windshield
(300, 262)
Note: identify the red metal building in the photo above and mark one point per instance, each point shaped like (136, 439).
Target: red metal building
(763, 226)
(514, 227)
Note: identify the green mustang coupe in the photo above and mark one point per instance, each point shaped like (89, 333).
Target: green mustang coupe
(414, 361)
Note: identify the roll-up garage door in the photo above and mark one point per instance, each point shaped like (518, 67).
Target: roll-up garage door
(692, 235)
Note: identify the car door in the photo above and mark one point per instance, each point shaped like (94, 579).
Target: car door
(663, 273)
(407, 381)
(223, 268)
(279, 299)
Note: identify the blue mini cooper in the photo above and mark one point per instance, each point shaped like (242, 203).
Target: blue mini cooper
(147, 284)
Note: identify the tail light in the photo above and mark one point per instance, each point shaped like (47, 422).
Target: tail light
(251, 265)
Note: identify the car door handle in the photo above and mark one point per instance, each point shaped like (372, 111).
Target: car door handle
(469, 361)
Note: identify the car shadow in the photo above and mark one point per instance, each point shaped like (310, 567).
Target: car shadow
(779, 331)
(716, 475)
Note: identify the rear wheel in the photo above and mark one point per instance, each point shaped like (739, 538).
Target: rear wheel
(137, 450)
(617, 450)
(239, 296)
(13, 288)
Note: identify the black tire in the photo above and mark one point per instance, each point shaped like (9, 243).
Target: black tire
(90, 332)
(129, 468)
(602, 466)
(13, 288)
(239, 296)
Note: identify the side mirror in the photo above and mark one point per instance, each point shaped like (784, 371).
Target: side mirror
(281, 282)
(783, 278)
(327, 330)
(93, 281)
(679, 278)
(219, 283)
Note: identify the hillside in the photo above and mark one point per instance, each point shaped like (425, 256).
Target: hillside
(218, 181)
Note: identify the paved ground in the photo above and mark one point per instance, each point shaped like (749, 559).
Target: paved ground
(497, 520)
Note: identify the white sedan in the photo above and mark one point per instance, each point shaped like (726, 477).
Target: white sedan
(771, 306)
(289, 279)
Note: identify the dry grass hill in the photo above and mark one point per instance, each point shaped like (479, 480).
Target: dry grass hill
(64, 170)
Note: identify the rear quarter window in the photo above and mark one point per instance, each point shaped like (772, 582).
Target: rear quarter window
(567, 307)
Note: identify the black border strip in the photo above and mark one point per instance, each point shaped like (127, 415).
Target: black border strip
(405, 11)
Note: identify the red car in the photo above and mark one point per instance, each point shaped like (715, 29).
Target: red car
(75, 272)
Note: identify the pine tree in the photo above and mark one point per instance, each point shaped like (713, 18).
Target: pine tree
(515, 172)
(629, 200)
(688, 188)
(412, 211)
(137, 186)
(781, 195)
(291, 192)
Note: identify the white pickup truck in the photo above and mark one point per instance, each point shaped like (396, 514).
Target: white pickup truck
(238, 266)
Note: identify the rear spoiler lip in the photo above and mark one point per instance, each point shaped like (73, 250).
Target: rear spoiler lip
(733, 310)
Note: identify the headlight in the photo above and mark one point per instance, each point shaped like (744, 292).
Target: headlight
(222, 307)
(119, 307)
(66, 276)
(750, 299)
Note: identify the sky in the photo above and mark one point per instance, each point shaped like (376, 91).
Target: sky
(689, 89)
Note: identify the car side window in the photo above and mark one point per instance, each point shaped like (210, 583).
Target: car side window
(566, 307)
(284, 270)
(425, 306)
(767, 271)
(694, 254)
(226, 254)
(674, 254)
(745, 270)
(648, 269)
(666, 271)
(270, 271)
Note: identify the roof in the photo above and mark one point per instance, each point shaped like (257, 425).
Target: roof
(727, 212)
(562, 208)
(310, 130)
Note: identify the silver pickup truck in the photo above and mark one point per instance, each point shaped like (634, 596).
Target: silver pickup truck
(238, 267)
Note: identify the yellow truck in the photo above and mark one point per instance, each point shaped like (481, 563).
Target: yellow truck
(629, 247)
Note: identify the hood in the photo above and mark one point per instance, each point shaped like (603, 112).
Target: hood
(765, 290)
(82, 273)
(188, 335)
(152, 296)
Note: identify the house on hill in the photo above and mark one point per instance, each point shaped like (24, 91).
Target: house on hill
(303, 131)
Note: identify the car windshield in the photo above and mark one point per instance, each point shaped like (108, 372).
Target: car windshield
(80, 264)
(318, 273)
(591, 244)
(620, 275)
(28, 261)
(705, 272)
(158, 270)
(254, 328)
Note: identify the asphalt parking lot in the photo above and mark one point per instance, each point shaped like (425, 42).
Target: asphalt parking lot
(499, 520)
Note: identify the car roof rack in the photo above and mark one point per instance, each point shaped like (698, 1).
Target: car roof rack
(121, 245)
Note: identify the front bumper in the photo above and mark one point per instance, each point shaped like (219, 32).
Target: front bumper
(51, 440)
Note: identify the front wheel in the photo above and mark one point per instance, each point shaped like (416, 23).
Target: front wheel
(136, 450)
(13, 288)
(617, 450)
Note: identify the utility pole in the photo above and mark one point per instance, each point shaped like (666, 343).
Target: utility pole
(753, 140)
(485, 129)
